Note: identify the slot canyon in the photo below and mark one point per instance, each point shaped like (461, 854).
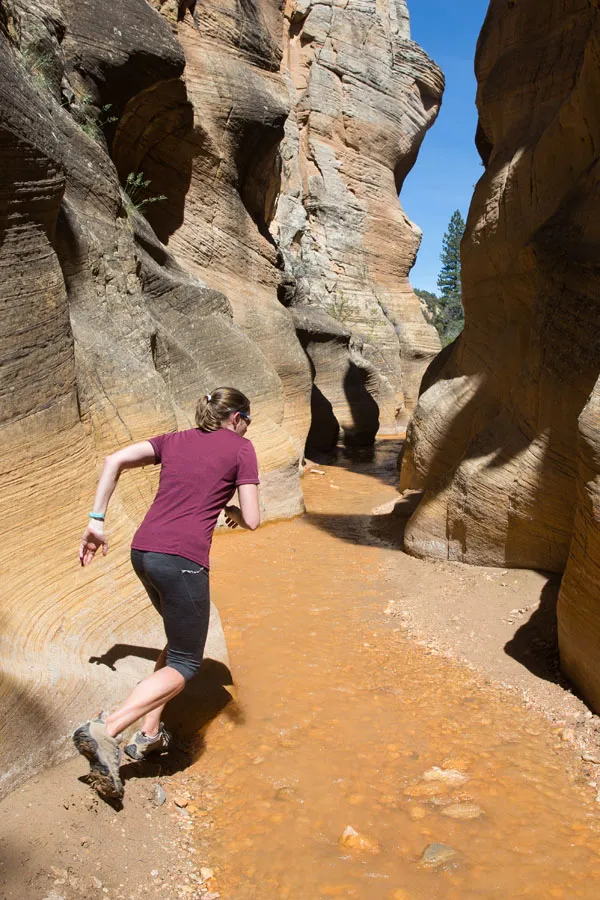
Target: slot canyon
(400, 691)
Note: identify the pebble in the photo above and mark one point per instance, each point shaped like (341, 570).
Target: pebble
(436, 855)
(206, 873)
(591, 757)
(448, 776)
(316, 471)
(59, 873)
(181, 802)
(357, 841)
(417, 813)
(159, 795)
(568, 734)
(97, 883)
(427, 789)
(462, 811)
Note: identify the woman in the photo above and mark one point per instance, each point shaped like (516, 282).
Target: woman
(200, 470)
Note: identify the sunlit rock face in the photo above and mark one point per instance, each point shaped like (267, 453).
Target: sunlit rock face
(81, 365)
(120, 310)
(362, 97)
(499, 443)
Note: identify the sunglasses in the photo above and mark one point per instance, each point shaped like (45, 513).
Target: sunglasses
(245, 416)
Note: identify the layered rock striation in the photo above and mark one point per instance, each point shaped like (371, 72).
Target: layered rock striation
(346, 243)
(146, 166)
(504, 441)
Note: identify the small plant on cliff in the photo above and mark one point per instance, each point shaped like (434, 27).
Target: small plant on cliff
(93, 126)
(136, 193)
(39, 65)
(339, 307)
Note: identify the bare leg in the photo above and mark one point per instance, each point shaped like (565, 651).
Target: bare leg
(151, 723)
(151, 693)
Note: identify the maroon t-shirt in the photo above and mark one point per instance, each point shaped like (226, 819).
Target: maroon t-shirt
(198, 477)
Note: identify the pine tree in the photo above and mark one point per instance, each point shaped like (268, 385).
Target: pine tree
(449, 278)
(451, 316)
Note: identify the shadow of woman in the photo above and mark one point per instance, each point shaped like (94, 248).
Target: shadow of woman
(535, 644)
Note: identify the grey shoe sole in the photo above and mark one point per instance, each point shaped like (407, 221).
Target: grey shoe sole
(106, 783)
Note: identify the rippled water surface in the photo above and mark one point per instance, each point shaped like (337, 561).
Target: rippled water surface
(344, 722)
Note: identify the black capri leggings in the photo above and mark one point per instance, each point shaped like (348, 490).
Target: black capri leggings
(178, 589)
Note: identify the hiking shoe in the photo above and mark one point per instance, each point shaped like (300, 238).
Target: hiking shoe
(141, 745)
(103, 754)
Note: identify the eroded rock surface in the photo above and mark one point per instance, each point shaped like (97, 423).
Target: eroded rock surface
(510, 478)
(363, 96)
(121, 308)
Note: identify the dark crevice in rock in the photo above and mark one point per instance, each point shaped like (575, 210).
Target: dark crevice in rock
(258, 163)
(483, 144)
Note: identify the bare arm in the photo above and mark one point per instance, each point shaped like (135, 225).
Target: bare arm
(247, 515)
(140, 454)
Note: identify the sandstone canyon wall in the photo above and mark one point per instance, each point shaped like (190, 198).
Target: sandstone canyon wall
(119, 310)
(346, 242)
(504, 441)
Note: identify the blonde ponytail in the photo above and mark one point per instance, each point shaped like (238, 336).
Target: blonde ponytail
(215, 408)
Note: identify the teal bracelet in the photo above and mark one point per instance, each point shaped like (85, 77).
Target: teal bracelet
(98, 516)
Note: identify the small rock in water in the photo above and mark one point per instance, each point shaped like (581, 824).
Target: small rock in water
(158, 796)
(591, 757)
(436, 855)
(417, 813)
(357, 841)
(448, 776)
(462, 811)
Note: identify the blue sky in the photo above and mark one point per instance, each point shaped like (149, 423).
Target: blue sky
(448, 165)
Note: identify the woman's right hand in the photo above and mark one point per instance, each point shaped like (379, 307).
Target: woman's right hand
(232, 516)
(93, 538)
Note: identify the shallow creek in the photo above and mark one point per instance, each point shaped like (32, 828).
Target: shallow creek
(339, 719)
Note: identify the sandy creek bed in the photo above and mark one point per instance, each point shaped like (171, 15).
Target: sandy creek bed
(416, 703)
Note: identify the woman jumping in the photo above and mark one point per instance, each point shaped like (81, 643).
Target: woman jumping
(200, 471)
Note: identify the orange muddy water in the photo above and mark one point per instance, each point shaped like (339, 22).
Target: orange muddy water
(344, 722)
